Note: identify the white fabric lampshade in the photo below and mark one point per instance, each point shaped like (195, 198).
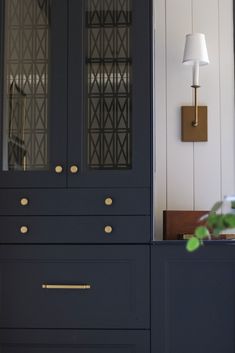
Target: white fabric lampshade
(195, 51)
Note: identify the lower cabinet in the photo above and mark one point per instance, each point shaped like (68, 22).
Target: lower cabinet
(72, 341)
(74, 286)
(193, 298)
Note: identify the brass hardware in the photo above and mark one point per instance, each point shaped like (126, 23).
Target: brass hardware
(24, 230)
(66, 286)
(59, 169)
(74, 169)
(24, 201)
(190, 132)
(108, 201)
(108, 229)
(195, 122)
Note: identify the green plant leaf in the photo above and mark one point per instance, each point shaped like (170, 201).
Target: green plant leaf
(216, 207)
(201, 232)
(215, 221)
(193, 244)
(229, 220)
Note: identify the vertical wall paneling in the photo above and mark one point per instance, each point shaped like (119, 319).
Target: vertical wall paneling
(227, 96)
(207, 154)
(179, 155)
(192, 176)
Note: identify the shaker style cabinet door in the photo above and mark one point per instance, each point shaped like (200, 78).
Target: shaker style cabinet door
(33, 59)
(74, 287)
(193, 301)
(109, 93)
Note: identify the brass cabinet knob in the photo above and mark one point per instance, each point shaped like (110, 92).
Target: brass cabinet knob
(59, 169)
(108, 229)
(24, 201)
(74, 169)
(108, 201)
(24, 230)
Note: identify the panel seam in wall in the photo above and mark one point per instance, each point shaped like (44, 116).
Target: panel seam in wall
(220, 112)
(166, 102)
(194, 202)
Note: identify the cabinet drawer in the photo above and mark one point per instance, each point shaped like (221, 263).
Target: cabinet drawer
(74, 229)
(74, 286)
(75, 201)
(71, 341)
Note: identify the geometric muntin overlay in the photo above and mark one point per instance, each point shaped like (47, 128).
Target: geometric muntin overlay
(26, 84)
(109, 96)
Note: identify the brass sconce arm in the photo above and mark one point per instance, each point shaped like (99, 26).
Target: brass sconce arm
(195, 122)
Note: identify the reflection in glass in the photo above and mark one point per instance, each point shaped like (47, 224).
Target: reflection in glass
(26, 58)
(108, 65)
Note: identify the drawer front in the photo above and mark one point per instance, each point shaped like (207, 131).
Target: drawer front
(71, 341)
(75, 202)
(74, 286)
(75, 229)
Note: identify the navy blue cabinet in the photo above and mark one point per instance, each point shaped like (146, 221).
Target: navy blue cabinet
(109, 67)
(75, 176)
(33, 103)
(193, 299)
(69, 341)
(102, 287)
(75, 104)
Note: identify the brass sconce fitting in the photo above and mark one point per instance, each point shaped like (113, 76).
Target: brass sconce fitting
(194, 119)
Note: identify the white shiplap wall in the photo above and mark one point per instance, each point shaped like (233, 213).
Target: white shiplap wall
(192, 176)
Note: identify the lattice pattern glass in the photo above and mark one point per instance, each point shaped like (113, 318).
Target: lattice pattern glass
(108, 65)
(26, 55)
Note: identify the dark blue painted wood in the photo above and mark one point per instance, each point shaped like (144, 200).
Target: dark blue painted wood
(193, 299)
(57, 106)
(119, 274)
(118, 298)
(75, 202)
(70, 341)
(139, 174)
(74, 229)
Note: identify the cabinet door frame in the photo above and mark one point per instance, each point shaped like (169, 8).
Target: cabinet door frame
(118, 296)
(68, 340)
(57, 136)
(193, 297)
(139, 174)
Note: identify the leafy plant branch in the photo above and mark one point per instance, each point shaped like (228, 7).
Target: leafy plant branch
(215, 223)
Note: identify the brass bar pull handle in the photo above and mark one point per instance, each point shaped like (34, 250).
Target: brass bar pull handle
(66, 286)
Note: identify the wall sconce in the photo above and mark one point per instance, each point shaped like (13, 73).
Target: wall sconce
(194, 119)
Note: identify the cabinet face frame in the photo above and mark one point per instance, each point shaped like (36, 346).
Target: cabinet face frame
(57, 105)
(130, 341)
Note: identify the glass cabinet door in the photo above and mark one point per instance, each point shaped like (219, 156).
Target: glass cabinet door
(109, 93)
(34, 93)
